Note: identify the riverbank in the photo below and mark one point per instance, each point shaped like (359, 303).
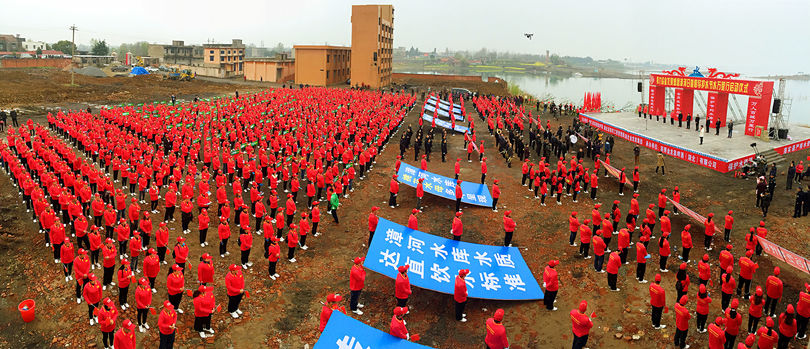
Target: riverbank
(529, 69)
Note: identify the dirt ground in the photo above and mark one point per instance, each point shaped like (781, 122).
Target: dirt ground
(284, 313)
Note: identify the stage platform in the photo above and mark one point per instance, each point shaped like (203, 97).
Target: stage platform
(719, 153)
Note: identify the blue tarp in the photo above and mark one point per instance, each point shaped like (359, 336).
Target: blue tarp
(442, 112)
(138, 71)
(473, 193)
(444, 104)
(496, 272)
(445, 124)
(344, 332)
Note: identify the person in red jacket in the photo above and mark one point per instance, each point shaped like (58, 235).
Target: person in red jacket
(682, 316)
(717, 336)
(357, 280)
(235, 284)
(708, 232)
(175, 283)
(773, 289)
(581, 325)
(787, 327)
(224, 233)
(397, 328)
(747, 269)
(203, 221)
(726, 260)
(402, 286)
(551, 283)
(755, 310)
(585, 238)
(92, 296)
(372, 223)
(459, 195)
(135, 245)
(573, 227)
(245, 244)
(658, 301)
(727, 285)
(729, 222)
(202, 309)
(457, 228)
(413, 222)
(292, 242)
(205, 269)
(125, 337)
(768, 337)
(496, 194)
(598, 251)
(167, 325)
(483, 170)
(273, 254)
(803, 312)
(508, 228)
(326, 312)
(82, 269)
(686, 243)
(613, 265)
(393, 190)
(460, 295)
(107, 316)
(641, 261)
(420, 193)
(733, 322)
(151, 268)
(66, 257)
(496, 332)
(143, 301)
(125, 275)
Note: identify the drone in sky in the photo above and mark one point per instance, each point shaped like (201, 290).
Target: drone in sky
(528, 35)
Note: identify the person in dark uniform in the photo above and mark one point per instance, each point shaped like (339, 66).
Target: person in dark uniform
(797, 207)
(717, 127)
(791, 173)
(680, 119)
(730, 127)
(3, 118)
(444, 145)
(688, 120)
(174, 99)
(708, 123)
(765, 204)
(428, 145)
(13, 115)
(697, 123)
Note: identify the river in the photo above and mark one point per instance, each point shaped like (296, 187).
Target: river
(622, 93)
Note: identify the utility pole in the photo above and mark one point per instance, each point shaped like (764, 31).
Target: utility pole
(72, 49)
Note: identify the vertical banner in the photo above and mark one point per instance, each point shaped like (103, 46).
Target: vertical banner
(657, 98)
(687, 102)
(711, 107)
(751, 117)
(722, 109)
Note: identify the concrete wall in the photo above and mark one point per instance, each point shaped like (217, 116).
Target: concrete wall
(269, 71)
(203, 71)
(34, 62)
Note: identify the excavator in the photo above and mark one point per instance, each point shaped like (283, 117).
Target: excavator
(181, 75)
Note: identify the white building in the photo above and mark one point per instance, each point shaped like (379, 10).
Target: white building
(33, 45)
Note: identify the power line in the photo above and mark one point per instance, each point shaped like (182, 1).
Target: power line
(73, 29)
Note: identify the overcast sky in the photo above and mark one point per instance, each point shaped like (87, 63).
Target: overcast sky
(747, 36)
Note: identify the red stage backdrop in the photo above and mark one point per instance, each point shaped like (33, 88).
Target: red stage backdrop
(719, 86)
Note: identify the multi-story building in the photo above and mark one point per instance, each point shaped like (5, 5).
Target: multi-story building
(230, 58)
(372, 45)
(177, 53)
(34, 45)
(277, 69)
(322, 65)
(11, 43)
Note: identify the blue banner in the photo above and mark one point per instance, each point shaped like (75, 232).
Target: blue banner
(496, 272)
(444, 104)
(446, 124)
(344, 332)
(472, 193)
(456, 115)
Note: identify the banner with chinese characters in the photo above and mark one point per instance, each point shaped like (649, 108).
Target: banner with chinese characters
(496, 272)
(431, 108)
(344, 332)
(445, 124)
(784, 255)
(444, 104)
(473, 193)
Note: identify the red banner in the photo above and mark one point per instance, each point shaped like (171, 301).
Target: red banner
(711, 107)
(678, 98)
(695, 157)
(786, 149)
(784, 255)
(612, 170)
(752, 119)
(694, 215)
(742, 87)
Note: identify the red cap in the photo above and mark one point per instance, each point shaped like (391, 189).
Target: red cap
(682, 266)
(769, 322)
(358, 260)
(758, 292)
(574, 214)
(176, 267)
(729, 270)
(507, 213)
(206, 256)
(729, 247)
(414, 211)
(730, 212)
(711, 214)
(403, 268)
(663, 191)
(706, 257)
(776, 271)
(657, 277)
(129, 325)
(790, 309)
(749, 341)
(458, 214)
(204, 289)
(749, 253)
(761, 223)
(375, 208)
(463, 272)
(233, 267)
(394, 176)
(499, 315)
(735, 303)
(399, 311)
(553, 263)
(495, 181)
(180, 239)
(683, 299)
(702, 288)
(583, 306)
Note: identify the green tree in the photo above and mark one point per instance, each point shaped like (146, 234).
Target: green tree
(63, 46)
(100, 48)
(39, 52)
